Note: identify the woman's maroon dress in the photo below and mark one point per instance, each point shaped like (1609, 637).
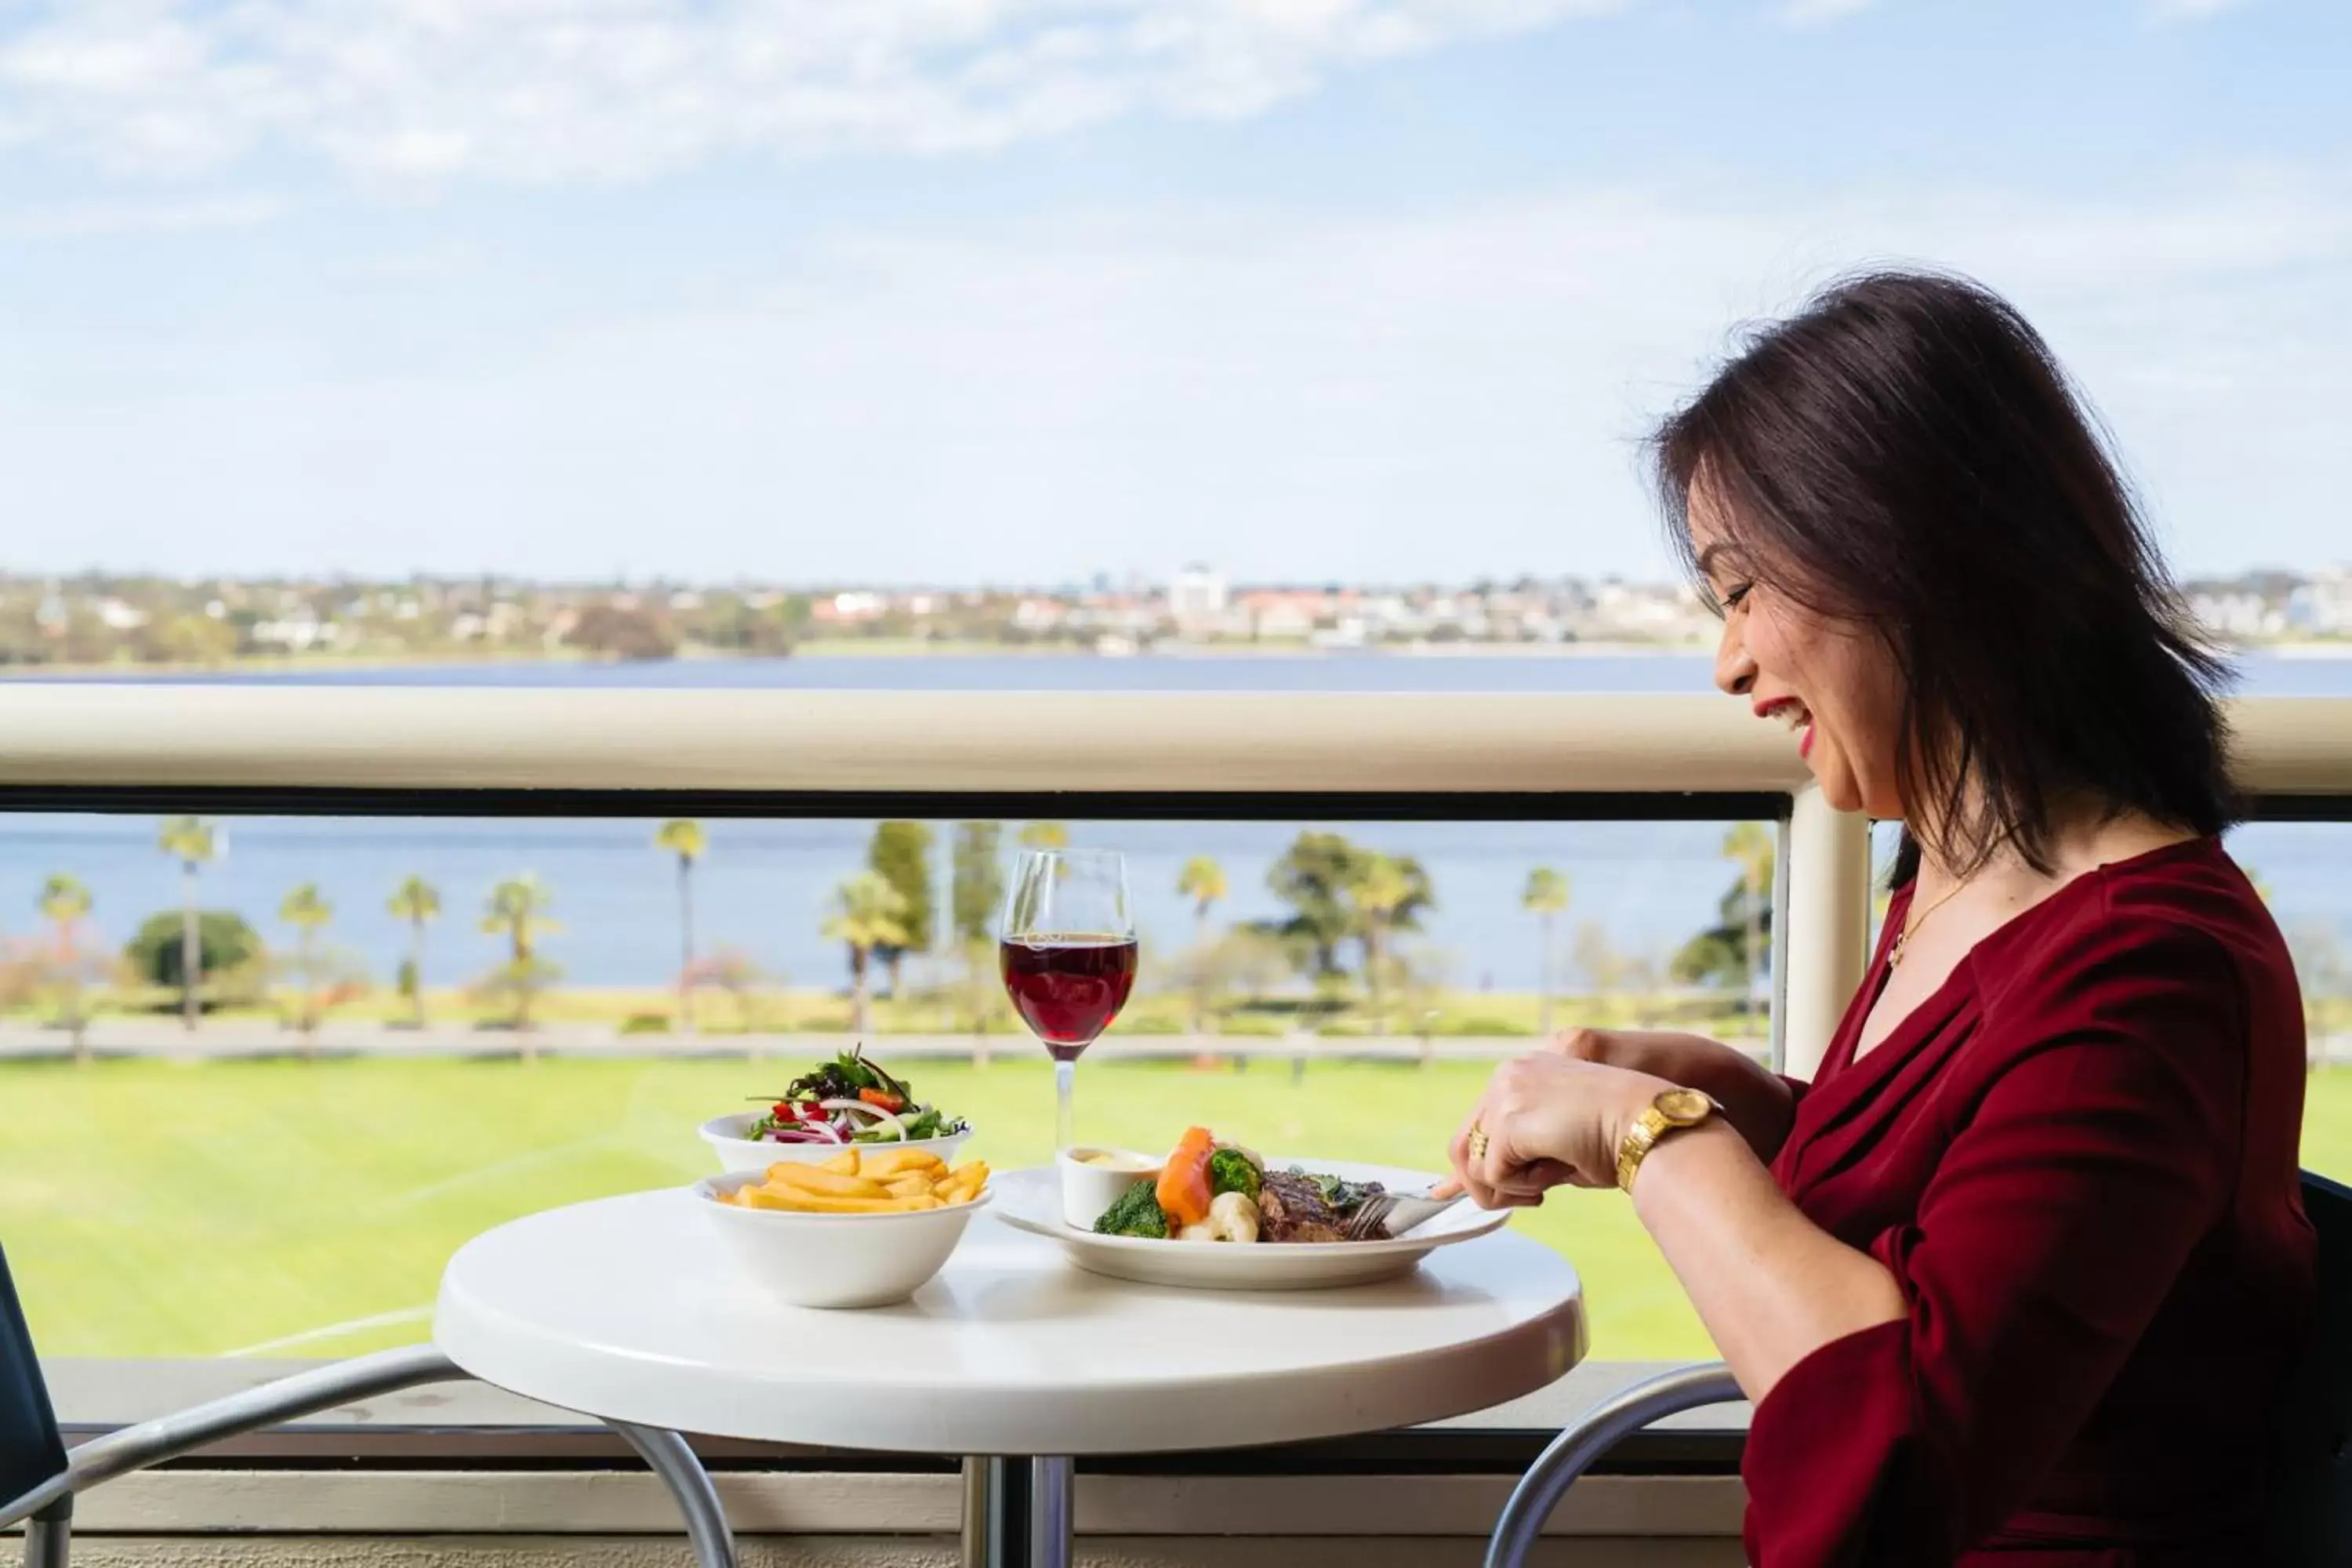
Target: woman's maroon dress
(2079, 1159)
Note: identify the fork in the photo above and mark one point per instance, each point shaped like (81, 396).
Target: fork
(1370, 1220)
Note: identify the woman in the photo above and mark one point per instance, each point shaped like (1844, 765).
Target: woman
(2016, 1278)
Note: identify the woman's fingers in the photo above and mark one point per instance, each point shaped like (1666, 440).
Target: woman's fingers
(1457, 1154)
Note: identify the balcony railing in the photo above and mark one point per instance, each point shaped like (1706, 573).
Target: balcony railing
(1361, 756)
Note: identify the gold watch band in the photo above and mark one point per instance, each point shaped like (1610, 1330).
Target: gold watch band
(1673, 1110)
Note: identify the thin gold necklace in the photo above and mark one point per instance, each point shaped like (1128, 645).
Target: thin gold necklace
(1912, 922)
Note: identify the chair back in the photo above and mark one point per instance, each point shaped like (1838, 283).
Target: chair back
(2310, 1510)
(31, 1451)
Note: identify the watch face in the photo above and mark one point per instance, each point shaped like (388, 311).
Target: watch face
(1684, 1106)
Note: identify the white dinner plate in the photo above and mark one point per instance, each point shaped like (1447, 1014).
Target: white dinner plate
(1030, 1200)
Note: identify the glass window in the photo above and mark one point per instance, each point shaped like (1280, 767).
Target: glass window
(412, 1030)
(2304, 872)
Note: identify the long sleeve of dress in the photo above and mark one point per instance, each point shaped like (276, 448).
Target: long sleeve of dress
(2092, 1146)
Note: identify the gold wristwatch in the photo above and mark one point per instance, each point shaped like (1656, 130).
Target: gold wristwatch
(1670, 1112)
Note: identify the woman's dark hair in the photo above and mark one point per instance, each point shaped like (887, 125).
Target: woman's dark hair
(1904, 453)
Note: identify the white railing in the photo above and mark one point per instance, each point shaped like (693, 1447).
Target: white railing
(1302, 754)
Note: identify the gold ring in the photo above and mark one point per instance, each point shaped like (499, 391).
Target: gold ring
(1477, 1142)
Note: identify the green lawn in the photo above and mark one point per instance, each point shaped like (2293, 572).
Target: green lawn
(154, 1208)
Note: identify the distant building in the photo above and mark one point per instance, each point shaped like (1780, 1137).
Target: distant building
(845, 609)
(1198, 595)
(1285, 612)
(296, 631)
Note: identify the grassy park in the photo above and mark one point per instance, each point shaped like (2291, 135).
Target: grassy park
(158, 1208)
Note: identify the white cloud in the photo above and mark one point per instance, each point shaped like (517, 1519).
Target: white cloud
(537, 91)
(1446, 392)
(170, 215)
(1818, 13)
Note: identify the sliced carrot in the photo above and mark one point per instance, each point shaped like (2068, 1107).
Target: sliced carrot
(1183, 1188)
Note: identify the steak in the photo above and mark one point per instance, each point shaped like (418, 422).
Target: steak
(1292, 1209)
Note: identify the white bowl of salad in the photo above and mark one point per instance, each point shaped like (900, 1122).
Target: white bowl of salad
(852, 1100)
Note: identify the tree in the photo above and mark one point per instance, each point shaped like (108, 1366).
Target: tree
(1597, 960)
(156, 951)
(977, 883)
(418, 902)
(623, 631)
(976, 892)
(2325, 973)
(518, 911)
(684, 837)
(1545, 897)
(867, 914)
(64, 903)
(1734, 952)
(901, 856)
(1381, 888)
(737, 973)
(1203, 880)
(1421, 974)
(1228, 972)
(1312, 877)
(307, 913)
(1749, 846)
(192, 842)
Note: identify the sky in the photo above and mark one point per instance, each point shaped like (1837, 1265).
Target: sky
(964, 291)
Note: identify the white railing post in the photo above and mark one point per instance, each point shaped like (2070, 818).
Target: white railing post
(1822, 926)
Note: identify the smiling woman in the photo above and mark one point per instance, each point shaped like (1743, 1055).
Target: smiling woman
(2022, 1269)
(1926, 541)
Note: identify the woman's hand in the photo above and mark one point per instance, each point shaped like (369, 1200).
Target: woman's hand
(1550, 1118)
(1755, 1102)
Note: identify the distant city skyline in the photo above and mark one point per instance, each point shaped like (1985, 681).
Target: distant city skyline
(1374, 291)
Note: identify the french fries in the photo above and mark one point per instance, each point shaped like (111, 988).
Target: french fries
(857, 1181)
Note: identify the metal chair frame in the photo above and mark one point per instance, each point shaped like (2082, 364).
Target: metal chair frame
(1570, 1454)
(2310, 1518)
(46, 1510)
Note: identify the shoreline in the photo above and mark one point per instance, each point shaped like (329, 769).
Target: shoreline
(845, 649)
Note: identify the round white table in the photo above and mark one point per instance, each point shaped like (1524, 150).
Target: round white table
(626, 1309)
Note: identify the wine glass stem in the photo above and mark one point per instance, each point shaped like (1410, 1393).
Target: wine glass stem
(1065, 1076)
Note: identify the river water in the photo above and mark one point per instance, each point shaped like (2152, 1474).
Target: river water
(764, 886)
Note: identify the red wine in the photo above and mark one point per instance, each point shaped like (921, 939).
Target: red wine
(1067, 988)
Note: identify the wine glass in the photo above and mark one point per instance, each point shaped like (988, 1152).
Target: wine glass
(1067, 947)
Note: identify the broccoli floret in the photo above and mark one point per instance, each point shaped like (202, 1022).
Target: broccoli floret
(1136, 1213)
(1230, 1170)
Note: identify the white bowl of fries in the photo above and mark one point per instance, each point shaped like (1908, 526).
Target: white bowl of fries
(867, 1227)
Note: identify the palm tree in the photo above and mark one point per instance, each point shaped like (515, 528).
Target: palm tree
(518, 911)
(683, 838)
(418, 902)
(1749, 845)
(1045, 836)
(1381, 887)
(307, 913)
(1203, 880)
(1545, 897)
(191, 841)
(866, 911)
(64, 903)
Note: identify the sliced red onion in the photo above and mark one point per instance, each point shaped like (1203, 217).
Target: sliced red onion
(806, 1132)
(881, 1116)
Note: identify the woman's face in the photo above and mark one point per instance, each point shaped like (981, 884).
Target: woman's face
(1832, 683)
